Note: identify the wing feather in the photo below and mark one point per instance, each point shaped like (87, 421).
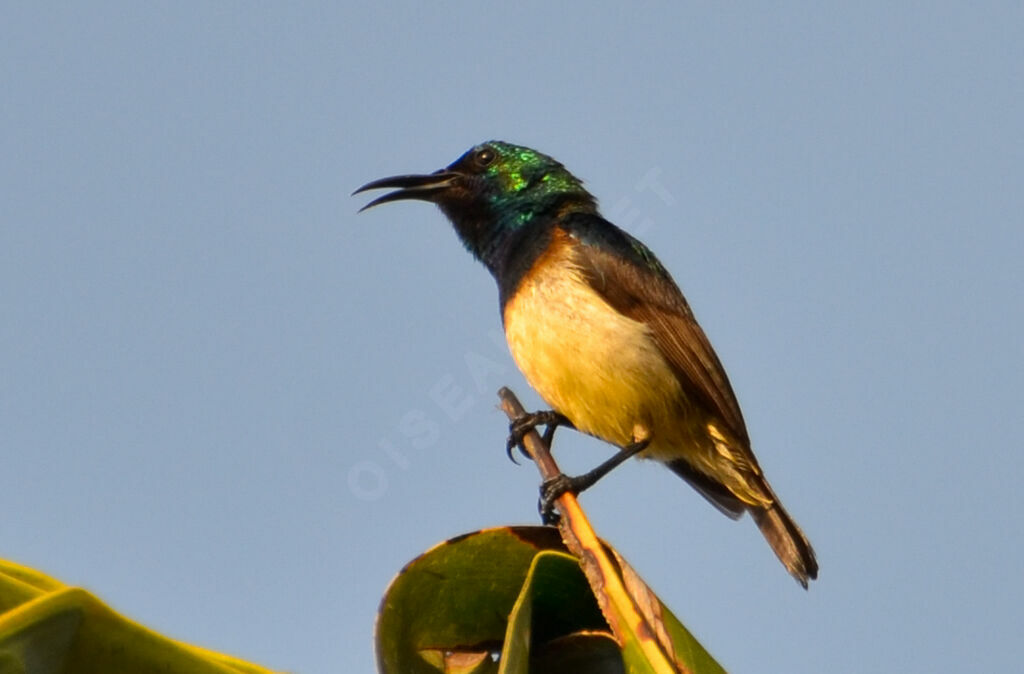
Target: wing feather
(632, 281)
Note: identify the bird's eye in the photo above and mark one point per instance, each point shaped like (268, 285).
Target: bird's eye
(484, 157)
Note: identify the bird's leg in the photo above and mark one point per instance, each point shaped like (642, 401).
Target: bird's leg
(551, 489)
(522, 425)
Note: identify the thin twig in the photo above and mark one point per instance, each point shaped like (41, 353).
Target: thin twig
(601, 572)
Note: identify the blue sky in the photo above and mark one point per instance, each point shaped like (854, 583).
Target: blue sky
(233, 409)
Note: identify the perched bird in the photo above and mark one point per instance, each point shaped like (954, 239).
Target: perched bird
(602, 332)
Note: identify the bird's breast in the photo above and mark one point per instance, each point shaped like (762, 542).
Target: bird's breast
(596, 366)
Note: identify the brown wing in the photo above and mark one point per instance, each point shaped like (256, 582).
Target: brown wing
(632, 281)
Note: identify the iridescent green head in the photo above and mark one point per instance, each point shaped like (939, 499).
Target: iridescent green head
(491, 190)
(517, 180)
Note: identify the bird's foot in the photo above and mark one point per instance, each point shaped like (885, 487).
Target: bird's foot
(551, 489)
(525, 423)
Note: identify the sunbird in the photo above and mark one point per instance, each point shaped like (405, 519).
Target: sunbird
(602, 332)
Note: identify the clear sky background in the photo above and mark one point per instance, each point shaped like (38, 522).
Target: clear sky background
(233, 409)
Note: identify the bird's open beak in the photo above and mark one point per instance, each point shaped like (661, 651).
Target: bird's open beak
(422, 187)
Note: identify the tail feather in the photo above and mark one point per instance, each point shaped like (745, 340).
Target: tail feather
(714, 491)
(782, 533)
(787, 540)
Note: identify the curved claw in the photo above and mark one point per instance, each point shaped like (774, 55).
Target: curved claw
(522, 425)
(510, 445)
(550, 490)
(519, 427)
(549, 517)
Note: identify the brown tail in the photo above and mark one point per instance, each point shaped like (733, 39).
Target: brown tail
(789, 543)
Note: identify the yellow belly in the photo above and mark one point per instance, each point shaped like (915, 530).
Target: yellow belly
(599, 368)
(605, 373)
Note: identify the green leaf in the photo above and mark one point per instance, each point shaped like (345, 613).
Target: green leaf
(496, 591)
(555, 602)
(48, 628)
(681, 646)
(591, 652)
(511, 600)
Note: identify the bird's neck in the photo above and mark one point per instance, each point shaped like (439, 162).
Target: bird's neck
(495, 236)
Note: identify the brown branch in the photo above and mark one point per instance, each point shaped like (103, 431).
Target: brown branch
(620, 609)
